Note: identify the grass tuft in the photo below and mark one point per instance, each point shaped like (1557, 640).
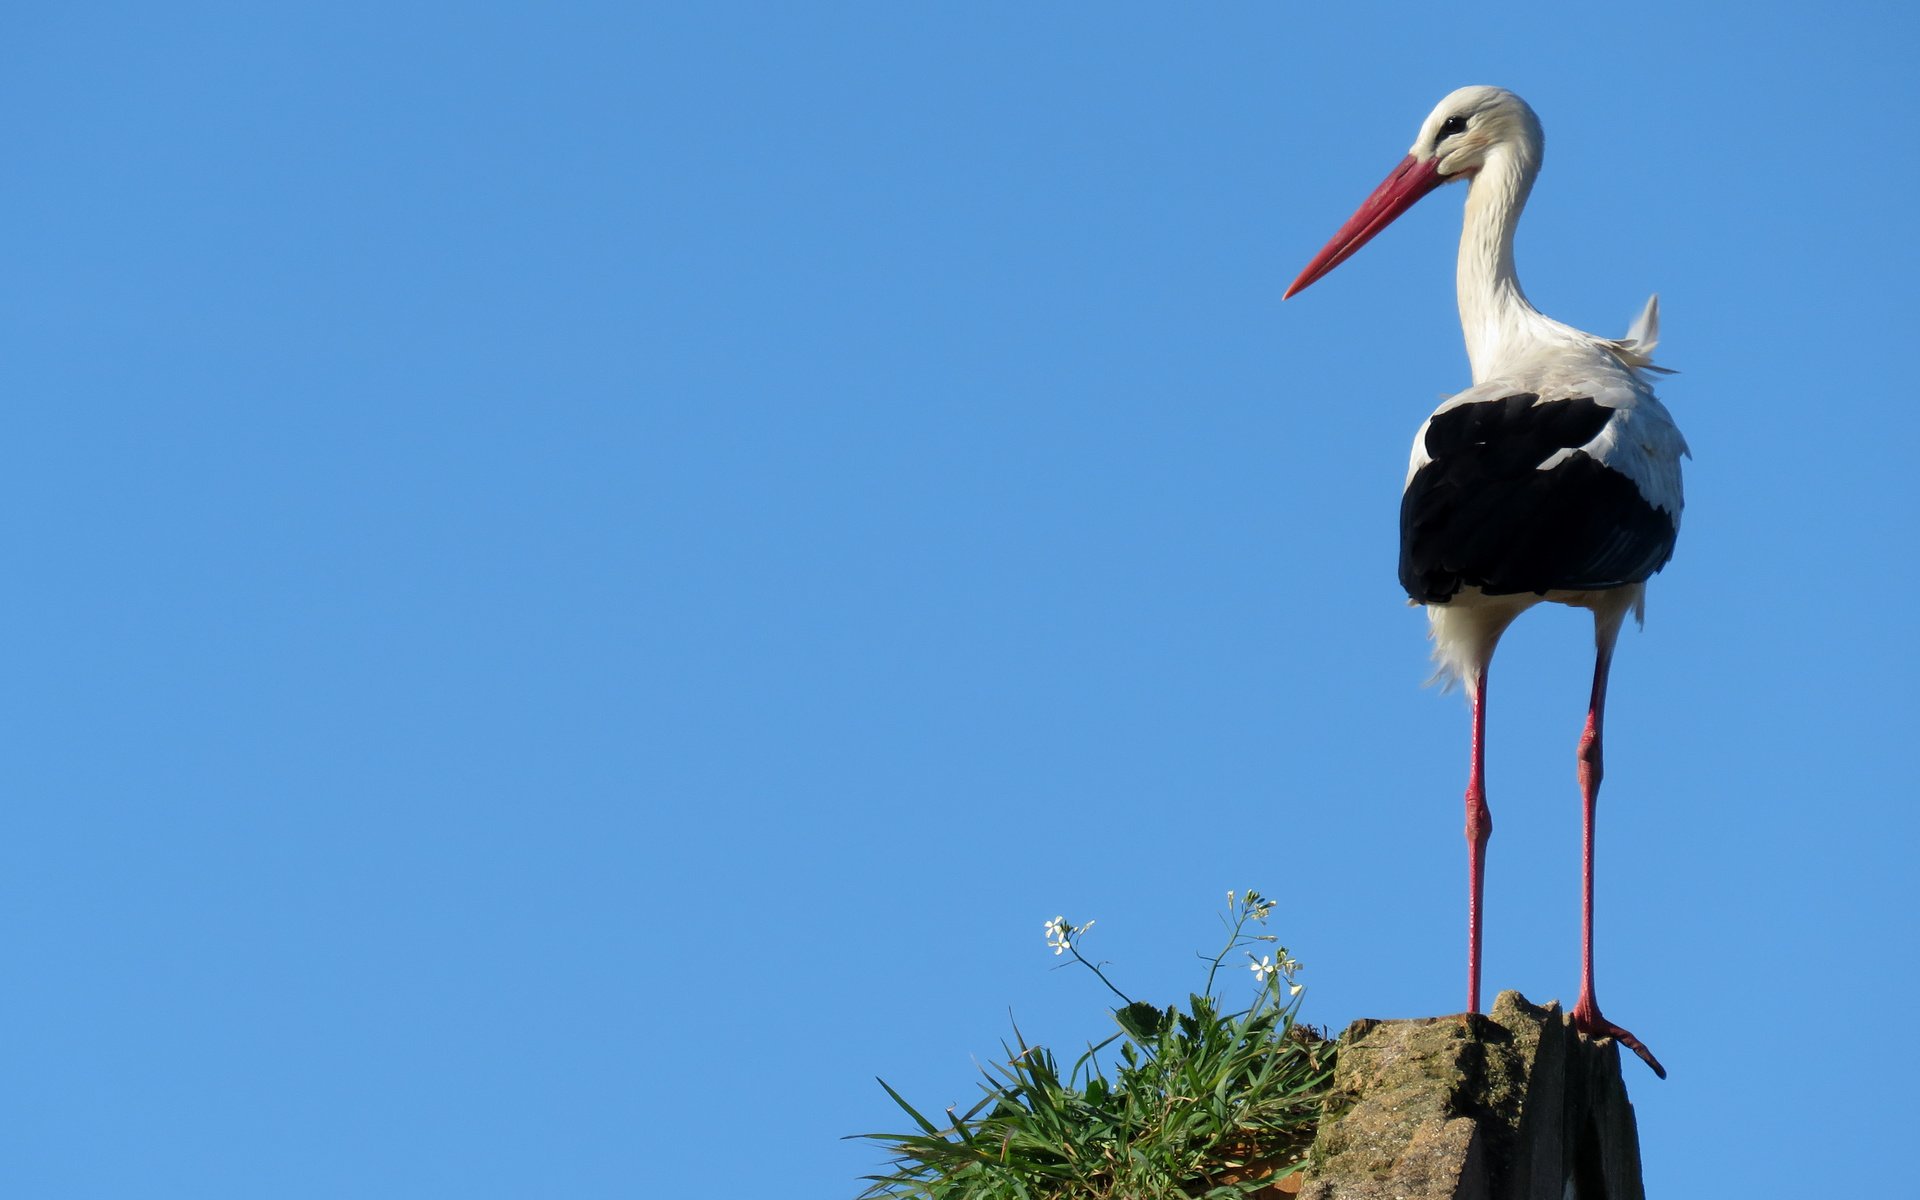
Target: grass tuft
(1198, 1103)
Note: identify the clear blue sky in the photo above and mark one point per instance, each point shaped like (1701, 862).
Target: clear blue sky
(582, 578)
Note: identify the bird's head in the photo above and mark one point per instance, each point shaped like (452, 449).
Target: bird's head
(1459, 137)
(1470, 126)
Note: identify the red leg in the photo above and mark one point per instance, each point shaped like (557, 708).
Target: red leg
(1586, 1013)
(1479, 829)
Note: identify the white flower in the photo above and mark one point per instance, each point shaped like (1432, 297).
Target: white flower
(1281, 964)
(1058, 935)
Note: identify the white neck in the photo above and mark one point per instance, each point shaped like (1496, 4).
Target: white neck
(1495, 315)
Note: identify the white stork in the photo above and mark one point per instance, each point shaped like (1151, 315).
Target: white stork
(1556, 476)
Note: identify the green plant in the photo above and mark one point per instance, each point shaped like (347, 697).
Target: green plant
(1200, 1103)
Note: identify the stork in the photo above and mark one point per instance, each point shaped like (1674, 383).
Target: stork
(1555, 477)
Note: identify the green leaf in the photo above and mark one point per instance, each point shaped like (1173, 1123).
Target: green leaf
(919, 1120)
(1142, 1020)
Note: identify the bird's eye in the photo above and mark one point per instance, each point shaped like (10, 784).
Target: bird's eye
(1449, 127)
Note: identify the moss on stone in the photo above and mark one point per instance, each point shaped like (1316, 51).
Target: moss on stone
(1505, 1106)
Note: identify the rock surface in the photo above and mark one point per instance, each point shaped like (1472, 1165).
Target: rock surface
(1514, 1105)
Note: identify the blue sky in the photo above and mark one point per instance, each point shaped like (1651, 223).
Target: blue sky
(584, 578)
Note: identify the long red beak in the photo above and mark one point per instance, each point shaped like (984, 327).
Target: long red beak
(1396, 194)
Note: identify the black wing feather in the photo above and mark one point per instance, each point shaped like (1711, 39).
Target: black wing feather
(1483, 514)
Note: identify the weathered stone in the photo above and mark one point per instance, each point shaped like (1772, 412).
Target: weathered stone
(1514, 1105)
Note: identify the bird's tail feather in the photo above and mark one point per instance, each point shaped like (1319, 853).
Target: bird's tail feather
(1636, 349)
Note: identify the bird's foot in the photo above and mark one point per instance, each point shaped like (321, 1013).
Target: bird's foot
(1587, 1019)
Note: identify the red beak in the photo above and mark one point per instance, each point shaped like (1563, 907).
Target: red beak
(1396, 194)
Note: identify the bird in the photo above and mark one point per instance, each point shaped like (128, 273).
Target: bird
(1554, 478)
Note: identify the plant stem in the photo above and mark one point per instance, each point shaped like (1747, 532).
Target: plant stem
(1097, 973)
(1233, 940)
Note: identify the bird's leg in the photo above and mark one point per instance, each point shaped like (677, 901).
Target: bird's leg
(1586, 1012)
(1479, 829)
